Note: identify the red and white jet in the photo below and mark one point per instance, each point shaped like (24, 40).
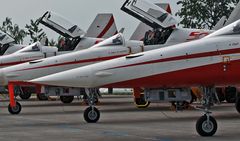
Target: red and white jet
(75, 39)
(208, 62)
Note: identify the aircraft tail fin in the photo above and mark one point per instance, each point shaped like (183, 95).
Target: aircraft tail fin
(234, 16)
(220, 23)
(103, 26)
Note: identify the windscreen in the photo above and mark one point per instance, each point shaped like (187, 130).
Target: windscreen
(35, 47)
(116, 40)
(231, 29)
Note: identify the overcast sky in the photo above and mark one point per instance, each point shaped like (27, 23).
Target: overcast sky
(80, 12)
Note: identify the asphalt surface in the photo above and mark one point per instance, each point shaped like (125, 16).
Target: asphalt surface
(120, 120)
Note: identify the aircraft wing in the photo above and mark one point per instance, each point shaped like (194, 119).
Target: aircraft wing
(149, 13)
(61, 25)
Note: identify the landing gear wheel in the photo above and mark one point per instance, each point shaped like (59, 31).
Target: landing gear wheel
(15, 110)
(42, 97)
(230, 98)
(91, 115)
(141, 102)
(25, 95)
(230, 94)
(220, 94)
(237, 104)
(205, 127)
(66, 99)
(181, 105)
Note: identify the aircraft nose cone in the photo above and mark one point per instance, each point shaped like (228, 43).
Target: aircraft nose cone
(71, 78)
(3, 78)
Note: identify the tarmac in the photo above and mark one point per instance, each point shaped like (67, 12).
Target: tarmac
(120, 120)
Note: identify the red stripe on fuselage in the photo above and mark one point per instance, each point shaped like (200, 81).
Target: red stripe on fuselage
(187, 56)
(76, 62)
(208, 75)
(13, 63)
(108, 26)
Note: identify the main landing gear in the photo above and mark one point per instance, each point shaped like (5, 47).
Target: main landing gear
(14, 107)
(91, 114)
(207, 125)
(237, 104)
(139, 98)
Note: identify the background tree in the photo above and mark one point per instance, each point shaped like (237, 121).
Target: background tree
(13, 30)
(204, 13)
(34, 31)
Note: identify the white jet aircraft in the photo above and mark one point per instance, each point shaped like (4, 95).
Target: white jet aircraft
(76, 39)
(52, 65)
(166, 72)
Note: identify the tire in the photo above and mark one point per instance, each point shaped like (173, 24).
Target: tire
(141, 102)
(220, 94)
(230, 98)
(182, 105)
(15, 110)
(91, 115)
(42, 97)
(25, 95)
(237, 104)
(206, 130)
(67, 99)
(230, 94)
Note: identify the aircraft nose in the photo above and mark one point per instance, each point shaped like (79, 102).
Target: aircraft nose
(71, 78)
(3, 78)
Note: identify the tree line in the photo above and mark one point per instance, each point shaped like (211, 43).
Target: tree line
(19, 34)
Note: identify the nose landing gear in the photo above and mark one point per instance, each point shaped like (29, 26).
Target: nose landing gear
(207, 125)
(91, 114)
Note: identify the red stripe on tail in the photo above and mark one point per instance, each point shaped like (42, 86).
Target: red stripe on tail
(108, 26)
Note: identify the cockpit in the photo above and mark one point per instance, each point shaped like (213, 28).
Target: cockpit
(161, 22)
(231, 29)
(71, 33)
(116, 40)
(35, 47)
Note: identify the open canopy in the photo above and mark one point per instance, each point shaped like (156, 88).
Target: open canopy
(5, 38)
(61, 25)
(149, 13)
